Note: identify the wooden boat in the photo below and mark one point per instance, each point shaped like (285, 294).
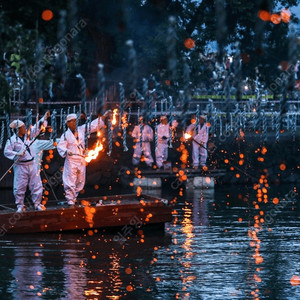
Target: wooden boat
(95, 212)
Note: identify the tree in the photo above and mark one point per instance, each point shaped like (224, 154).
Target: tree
(111, 22)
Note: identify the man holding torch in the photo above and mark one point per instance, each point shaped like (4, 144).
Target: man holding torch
(199, 135)
(72, 147)
(142, 135)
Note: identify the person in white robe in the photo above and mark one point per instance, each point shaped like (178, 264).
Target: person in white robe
(147, 137)
(21, 149)
(72, 147)
(200, 138)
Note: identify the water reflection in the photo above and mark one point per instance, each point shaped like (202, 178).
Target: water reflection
(211, 250)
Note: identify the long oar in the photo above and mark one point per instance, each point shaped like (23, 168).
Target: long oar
(74, 154)
(6, 207)
(242, 171)
(27, 147)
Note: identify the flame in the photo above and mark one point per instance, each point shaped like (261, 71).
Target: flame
(114, 117)
(187, 136)
(43, 128)
(93, 154)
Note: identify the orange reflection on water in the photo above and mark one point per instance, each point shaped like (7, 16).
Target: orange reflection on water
(187, 229)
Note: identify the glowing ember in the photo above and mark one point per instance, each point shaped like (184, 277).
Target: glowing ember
(138, 191)
(89, 216)
(93, 154)
(129, 288)
(43, 128)
(114, 117)
(282, 167)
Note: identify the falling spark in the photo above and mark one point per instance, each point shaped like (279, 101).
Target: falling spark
(285, 15)
(114, 118)
(138, 191)
(275, 19)
(47, 15)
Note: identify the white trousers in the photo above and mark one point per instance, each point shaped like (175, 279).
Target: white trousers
(199, 151)
(161, 154)
(138, 153)
(27, 174)
(73, 178)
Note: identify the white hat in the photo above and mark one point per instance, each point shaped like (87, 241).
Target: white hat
(71, 117)
(203, 117)
(162, 117)
(15, 123)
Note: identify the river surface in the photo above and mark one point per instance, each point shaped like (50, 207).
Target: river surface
(225, 243)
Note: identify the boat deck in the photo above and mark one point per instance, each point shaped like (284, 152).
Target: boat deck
(112, 211)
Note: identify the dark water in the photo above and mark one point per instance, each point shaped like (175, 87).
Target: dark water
(211, 250)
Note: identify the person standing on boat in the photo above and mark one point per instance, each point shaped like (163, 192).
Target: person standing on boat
(72, 147)
(200, 138)
(26, 170)
(163, 136)
(147, 137)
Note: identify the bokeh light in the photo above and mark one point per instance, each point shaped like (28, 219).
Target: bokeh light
(47, 15)
(189, 43)
(275, 19)
(264, 15)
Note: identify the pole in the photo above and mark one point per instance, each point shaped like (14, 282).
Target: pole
(198, 143)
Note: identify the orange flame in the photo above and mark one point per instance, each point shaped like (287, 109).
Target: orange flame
(187, 136)
(114, 118)
(93, 154)
(43, 128)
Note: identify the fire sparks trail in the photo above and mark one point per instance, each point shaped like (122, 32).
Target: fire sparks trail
(93, 154)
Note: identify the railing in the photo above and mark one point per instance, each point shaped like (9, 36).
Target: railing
(248, 105)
